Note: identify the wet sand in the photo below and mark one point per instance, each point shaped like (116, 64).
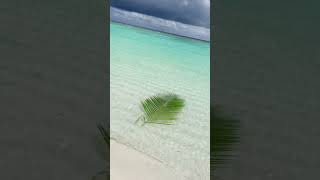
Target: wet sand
(127, 164)
(52, 89)
(266, 74)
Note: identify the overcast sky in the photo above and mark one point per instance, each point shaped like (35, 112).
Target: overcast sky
(194, 12)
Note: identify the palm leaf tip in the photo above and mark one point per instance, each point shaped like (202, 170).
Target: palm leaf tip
(104, 133)
(224, 136)
(161, 108)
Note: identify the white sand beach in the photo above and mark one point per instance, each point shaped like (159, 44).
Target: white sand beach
(128, 164)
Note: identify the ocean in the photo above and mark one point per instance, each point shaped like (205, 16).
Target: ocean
(144, 63)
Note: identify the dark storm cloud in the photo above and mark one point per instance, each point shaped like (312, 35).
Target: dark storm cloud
(194, 12)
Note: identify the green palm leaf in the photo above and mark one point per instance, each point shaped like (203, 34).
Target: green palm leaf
(103, 174)
(161, 109)
(224, 135)
(104, 133)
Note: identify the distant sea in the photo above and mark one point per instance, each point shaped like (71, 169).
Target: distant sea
(158, 24)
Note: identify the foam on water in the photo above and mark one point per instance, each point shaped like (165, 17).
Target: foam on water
(144, 63)
(158, 24)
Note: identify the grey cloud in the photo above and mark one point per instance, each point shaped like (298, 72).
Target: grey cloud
(194, 12)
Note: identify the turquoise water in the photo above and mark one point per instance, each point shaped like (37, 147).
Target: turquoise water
(144, 63)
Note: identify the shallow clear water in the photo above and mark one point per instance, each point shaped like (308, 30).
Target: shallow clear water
(144, 63)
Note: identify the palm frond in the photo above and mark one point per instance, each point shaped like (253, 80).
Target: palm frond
(161, 109)
(104, 134)
(106, 137)
(224, 135)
